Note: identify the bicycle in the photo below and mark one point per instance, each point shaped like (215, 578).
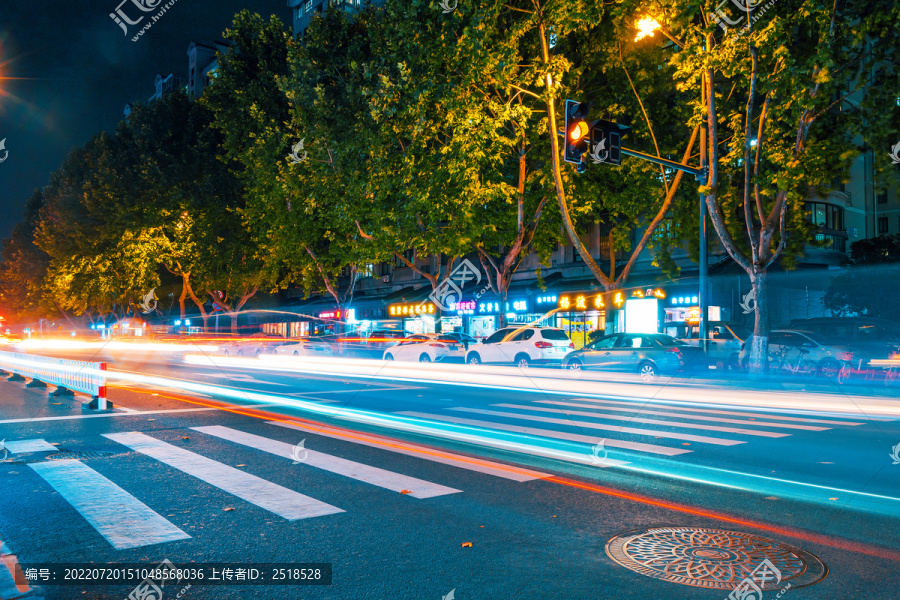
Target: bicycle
(802, 366)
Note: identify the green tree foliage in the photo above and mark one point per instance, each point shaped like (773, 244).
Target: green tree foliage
(770, 98)
(23, 270)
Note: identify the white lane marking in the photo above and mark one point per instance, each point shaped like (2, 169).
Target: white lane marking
(418, 488)
(36, 445)
(632, 419)
(676, 406)
(644, 411)
(125, 409)
(122, 519)
(439, 456)
(616, 428)
(9, 589)
(277, 499)
(121, 414)
(574, 437)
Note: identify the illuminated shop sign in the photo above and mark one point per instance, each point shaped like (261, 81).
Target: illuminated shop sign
(578, 301)
(332, 314)
(685, 300)
(547, 299)
(411, 310)
(464, 308)
(488, 307)
(649, 293)
(513, 306)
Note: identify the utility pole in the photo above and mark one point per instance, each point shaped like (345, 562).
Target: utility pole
(704, 257)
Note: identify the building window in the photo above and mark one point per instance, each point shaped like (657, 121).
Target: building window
(882, 197)
(309, 6)
(367, 270)
(826, 216)
(882, 225)
(299, 11)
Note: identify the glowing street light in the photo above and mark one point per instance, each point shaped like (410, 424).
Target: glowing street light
(647, 27)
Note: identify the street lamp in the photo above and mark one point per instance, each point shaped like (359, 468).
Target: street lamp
(646, 28)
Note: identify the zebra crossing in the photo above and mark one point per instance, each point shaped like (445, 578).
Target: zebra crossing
(666, 430)
(685, 424)
(126, 522)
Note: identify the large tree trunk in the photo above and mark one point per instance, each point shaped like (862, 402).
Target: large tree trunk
(759, 351)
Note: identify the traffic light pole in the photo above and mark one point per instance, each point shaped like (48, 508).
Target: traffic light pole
(698, 173)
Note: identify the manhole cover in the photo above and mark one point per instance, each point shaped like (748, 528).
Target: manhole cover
(80, 455)
(714, 558)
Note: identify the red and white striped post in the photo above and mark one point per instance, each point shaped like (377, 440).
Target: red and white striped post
(101, 393)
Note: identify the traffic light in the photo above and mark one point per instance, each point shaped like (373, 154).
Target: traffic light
(606, 142)
(577, 133)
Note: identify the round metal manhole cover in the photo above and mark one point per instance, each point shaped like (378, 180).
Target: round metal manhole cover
(715, 559)
(80, 455)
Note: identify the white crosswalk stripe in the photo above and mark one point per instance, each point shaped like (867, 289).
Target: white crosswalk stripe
(122, 519)
(22, 446)
(674, 406)
(439, 456)
(639, 409)
(416, 488)
(574, 437)
(286, 503)
(616, 428)
(634, 419)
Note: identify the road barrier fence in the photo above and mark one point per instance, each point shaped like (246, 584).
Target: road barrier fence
(67, 375)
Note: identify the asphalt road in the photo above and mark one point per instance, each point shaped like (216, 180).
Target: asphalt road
(401, 469)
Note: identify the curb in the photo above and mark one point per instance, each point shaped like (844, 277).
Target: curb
(9, 589)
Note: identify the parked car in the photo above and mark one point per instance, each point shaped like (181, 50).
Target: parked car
(426, 347)
(308, 346)
(648, 354)
(464, 339)
(807, 353)
(357, 345)
(251, 345)
(724, 344)
(522, 346)
(875, 335)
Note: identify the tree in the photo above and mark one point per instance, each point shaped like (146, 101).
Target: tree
(775, 89)
(23, 269)
(178, 186)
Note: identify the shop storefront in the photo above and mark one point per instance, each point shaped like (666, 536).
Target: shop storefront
(414, 317)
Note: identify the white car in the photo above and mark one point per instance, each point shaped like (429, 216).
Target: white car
(522, 346)
(426, 347)
(310, 346)
(251, 345)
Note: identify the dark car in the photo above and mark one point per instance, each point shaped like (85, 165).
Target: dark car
(648, 354)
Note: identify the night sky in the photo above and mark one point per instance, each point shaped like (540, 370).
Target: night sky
(79, 70)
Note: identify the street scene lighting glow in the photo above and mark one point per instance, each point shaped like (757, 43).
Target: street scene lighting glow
(460, 300)
(647, 27)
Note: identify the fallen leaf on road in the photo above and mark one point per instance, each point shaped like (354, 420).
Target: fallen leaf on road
(685, 444)
(228, 508)
(151, 419)
(832, 498)
(467, 544)
(554, 516)
(405, 492)
(185, 438)
(56, 403)
(771, 497)
(240, 465)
